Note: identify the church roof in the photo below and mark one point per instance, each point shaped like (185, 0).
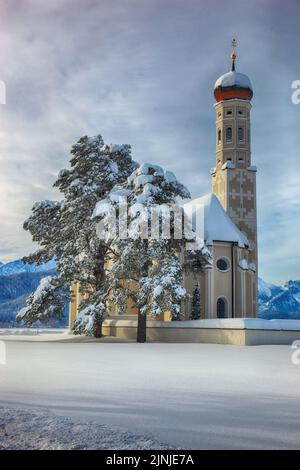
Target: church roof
(233, 85)
(233, 79)
(212, 223)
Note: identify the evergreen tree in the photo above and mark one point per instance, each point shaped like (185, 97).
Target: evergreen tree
(48, 301)
(149, 269)
(66, 231)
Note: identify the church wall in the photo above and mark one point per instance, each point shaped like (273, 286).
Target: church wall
(245, 282)
(222, 281)
(215, 284)
(73, 305)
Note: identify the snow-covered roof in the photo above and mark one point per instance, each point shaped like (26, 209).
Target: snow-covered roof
(212, 223)
(230, 79)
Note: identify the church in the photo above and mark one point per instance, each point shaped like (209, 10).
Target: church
(228, 288)
(226, 217)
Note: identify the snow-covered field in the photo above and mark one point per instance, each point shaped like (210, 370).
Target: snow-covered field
(37, 429)
(183, 395)
(32, 331)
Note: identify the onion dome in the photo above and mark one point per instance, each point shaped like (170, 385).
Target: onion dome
(233, 85)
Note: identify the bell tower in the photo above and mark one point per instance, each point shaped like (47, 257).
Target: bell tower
(234, 176)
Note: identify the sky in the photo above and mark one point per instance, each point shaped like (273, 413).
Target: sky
(142, 72)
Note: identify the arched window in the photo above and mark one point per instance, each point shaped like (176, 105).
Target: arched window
(241, 134)
(219, 136)
(228, 134)
(221, 308)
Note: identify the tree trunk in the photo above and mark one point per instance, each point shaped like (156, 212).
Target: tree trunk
(99, 276)
(141, 334)
(141, 328)
(98, 330)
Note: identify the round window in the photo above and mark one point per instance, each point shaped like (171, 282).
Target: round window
(223, 264)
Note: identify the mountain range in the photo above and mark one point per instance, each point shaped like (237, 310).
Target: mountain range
(18, 267)
(18, 280)
(279, 301)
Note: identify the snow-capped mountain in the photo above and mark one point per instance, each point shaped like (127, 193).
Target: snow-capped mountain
(17, 282)
(266, 291)
(17, 267)
(279, 301)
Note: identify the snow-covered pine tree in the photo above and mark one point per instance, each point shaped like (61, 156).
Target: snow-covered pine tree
(196, 304)
(46, 302)
(66, 231)
(149, 270)
(92, 312)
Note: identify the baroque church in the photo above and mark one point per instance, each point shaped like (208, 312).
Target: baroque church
(228, 289)
(226, 217)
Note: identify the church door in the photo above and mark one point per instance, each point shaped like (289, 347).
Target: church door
(221, 308)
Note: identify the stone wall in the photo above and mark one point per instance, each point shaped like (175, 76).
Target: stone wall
(237, 331)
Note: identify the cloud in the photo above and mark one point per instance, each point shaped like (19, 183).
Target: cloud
(142, 72)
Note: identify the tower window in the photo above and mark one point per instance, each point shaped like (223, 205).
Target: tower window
(219, 135)
(229, 134)
(229, 112)
(241, 134)
(221, 308)
(240, 112)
